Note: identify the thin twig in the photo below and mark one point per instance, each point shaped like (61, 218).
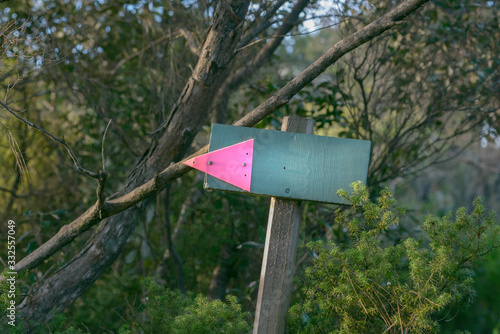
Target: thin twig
(176, 257)
(102, 148)
(137, 53)
(54, 138)
(18, 155)
(103, 176)
(300, 33)
(152, 187)
(420, 296)
(195, 49)
(356, 292)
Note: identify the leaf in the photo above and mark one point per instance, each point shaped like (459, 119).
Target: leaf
(218, 204)
(145, 250)
(58, 212)
(32, 245)
(150, 213)
(250, 244)
(26, 234)
(32, 278)
(324, 223)
(130, 257)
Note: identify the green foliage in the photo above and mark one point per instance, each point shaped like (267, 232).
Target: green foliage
(212, 317)
(58, 325)
(5, 301)
(429, 79)
(441, 189)
(482, 315)
(365, 286)
(169, 311)
(104, 304)
(165, 311)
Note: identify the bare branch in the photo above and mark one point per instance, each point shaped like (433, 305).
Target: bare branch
(14, 194)
(138, 53)
(190, 41)
(118, 131)
(341, 48)
(103, 209)
(281, 36)
(263, 25)
(103, 176)
(102, 148)
(242, 73)
(152, 187)
(54, 138)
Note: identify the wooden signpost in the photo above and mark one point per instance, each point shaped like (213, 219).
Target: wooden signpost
(288, 165)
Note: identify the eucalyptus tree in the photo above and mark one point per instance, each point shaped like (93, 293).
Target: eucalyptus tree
(160, 70)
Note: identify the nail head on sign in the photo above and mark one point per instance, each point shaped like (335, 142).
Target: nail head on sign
(210, 162)
(287, 190)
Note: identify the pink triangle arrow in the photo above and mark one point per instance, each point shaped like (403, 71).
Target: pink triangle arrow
(232, 164)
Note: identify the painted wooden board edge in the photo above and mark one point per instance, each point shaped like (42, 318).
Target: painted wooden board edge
(212, 183)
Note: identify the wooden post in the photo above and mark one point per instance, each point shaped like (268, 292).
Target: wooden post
(278, 264)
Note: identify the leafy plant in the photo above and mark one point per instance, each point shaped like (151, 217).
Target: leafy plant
(367, 286)
(169, 311)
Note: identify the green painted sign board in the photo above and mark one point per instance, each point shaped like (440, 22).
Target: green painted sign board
(295, 165)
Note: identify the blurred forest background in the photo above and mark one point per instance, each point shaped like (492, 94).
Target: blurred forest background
(426, 93)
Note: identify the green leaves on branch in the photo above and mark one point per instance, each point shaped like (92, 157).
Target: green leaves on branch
(370, 287)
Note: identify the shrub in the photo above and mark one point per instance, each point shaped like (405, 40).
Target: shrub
(368, 287)
(169, 311)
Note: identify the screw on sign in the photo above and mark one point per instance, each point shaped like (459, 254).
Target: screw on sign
(289, 168)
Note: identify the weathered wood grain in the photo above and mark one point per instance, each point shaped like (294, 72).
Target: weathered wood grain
(295, 165)
(278, 264)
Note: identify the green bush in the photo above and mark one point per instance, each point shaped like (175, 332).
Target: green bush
(369, 287)
(165, 311)
(169, 311)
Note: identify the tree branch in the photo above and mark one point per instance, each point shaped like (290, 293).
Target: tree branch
(341, 48)
(263, 25)
(102, 146)
(54, 138)
(14, 194)
(242, 73)
(190, 41)
(138, 53)
(152, 187)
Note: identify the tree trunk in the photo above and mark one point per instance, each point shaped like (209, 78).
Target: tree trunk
(221, 273)
(241, 74)
(169, 144)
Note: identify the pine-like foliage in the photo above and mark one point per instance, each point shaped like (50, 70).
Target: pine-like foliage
(366, 286)
(169, 311)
